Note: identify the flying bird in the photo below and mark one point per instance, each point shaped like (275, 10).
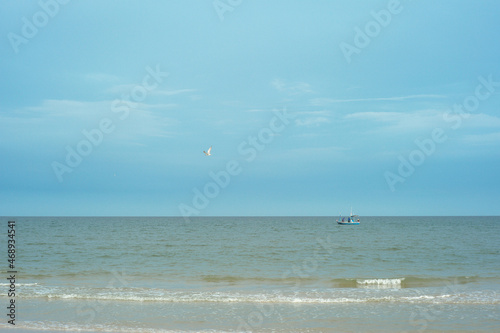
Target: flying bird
(207, 153)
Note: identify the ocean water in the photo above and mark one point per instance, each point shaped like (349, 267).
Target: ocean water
(258, 274)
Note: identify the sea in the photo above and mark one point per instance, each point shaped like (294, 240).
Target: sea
(252, 274)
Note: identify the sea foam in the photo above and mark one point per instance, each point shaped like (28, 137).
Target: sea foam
(380, 283)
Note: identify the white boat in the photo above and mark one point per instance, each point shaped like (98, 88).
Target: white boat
(349, 220)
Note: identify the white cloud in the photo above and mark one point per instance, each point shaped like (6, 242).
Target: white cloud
(143, 123)
(311, 121)
(294, 88)
(422, 121)
(258, 110)
(309, 153)
(62, 119)
(121, 89)
(399, 121)
(101, 77)
(159, 106)
(128, 88)
(67, 108)
(480, 120)
(483, 139)
(171, 92)
(376, 116)
(329, 101)
(317, 113)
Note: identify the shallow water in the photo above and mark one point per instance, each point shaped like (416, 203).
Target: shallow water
(269, 274)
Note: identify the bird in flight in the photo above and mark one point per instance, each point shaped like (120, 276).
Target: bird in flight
(207, 153)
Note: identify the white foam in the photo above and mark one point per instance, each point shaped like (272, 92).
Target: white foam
(19, 284)
(380, 283)
(60, 326)
(319, 296)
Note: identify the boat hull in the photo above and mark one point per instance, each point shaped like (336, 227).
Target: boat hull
(348, 223)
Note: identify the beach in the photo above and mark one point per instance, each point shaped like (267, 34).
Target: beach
(258, 274)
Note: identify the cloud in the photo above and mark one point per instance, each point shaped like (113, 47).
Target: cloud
(50, 124)
(402, 123)
(482, 139)
(311, 121)
(128, 88)
(121, 89)
(478, 120)
(329, 101)
(58, 120)
(101, 77)
(376, 116)
(143, 123)
(171, 92)
(66, 108)
(399, 121)
(159, 106)
(310, 153)
(294, 88)
(318, 113)
(258, 110)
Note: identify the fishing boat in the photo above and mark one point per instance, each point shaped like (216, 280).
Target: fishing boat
(349, 220)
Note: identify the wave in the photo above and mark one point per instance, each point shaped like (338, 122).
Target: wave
(18, 284)
(377, 283)
(73, 327)
(408, 282)
(230, 279)
(276, 282)
(452, 294)
(380, 283)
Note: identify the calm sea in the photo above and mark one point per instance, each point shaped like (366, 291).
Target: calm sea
(259, 274)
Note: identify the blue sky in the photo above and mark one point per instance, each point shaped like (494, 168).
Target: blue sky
(311, 107)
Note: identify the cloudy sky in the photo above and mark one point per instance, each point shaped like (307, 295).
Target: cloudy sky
(391, 107)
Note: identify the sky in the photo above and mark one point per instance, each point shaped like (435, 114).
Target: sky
(311, 108)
